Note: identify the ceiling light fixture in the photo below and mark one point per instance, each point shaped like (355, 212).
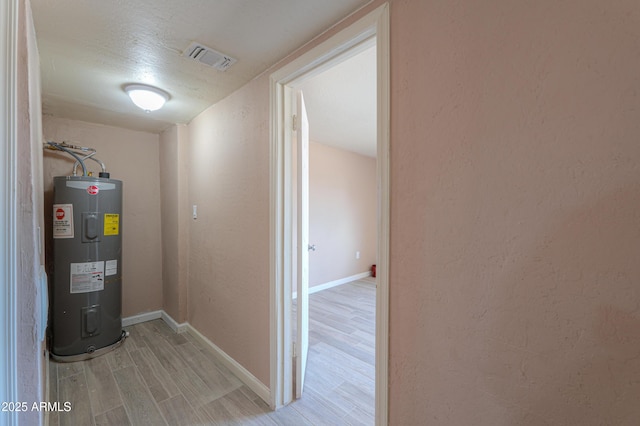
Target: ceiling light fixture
(146, 97)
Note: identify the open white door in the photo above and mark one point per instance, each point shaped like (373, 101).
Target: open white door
(302, 340)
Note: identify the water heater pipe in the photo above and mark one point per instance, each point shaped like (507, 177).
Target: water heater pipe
(89, 157)
(63, 147)
(76, 151)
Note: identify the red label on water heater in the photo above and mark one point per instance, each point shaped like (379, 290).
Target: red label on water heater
(93, 190)
(63, 221)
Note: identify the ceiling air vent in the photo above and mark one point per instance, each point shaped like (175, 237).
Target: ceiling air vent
(208, 56)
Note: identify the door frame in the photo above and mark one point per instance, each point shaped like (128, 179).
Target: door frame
(9, 14)
(318, 59)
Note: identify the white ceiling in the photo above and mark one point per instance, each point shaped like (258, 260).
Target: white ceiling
(341, 104)
(89, 49)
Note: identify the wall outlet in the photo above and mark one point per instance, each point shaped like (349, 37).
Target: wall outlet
(357, 255)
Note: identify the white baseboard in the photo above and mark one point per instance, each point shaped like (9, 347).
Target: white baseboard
(144, 317)
(178, 328)
(335, 283)
(242, 373)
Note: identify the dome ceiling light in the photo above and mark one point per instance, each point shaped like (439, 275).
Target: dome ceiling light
(146, 97)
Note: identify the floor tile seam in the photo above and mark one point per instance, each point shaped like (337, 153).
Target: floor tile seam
(169, 375)
(205, 400)
(153, 400)
(360, 377)
(152, 370)
(223, 395)
(357, 388)
(70, 375)
(124, 405)
(231, 403)
(345, 347)
(86, 382)
(332, 329)
(128, 351)
(57, 381)
(325, 404)
(193, 409)
(226, 374)
(342, 337)
(110, 409)
(349, 357)
(171, 351)
(302, 414)
(363, 361)
(97, 413)
(220, 368)
(205, 414)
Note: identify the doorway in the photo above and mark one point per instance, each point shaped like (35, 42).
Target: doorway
(375, 26)
(337, 241)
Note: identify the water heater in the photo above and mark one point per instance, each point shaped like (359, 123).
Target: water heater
(86, 290)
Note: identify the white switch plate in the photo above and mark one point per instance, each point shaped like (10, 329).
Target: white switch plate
(357, 255)
(195, 211)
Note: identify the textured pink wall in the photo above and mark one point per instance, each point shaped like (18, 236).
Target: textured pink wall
(515, 232)
(342, 213)
(29, 220)
(229, 242)
(133, 158)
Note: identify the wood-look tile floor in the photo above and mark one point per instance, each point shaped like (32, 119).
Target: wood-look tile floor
(161, 378)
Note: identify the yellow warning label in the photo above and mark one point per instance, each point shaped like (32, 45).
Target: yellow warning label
(111, 224)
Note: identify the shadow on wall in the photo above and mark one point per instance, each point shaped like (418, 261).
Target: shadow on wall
(63, 162)
(564, 340)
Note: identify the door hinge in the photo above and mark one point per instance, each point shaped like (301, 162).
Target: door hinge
(294, 350)
(295, 122)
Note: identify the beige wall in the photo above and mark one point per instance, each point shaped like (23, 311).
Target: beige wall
(229, 242)
(515, 146)
(175, 220)
(342, 213)
(29, 221)
(133, 158)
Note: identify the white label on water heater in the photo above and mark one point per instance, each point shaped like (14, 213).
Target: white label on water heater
(111, 267)
(63, 221)
(87, 277)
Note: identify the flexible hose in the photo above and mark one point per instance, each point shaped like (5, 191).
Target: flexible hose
(90, 157)
(74, 155)
(76, 164)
